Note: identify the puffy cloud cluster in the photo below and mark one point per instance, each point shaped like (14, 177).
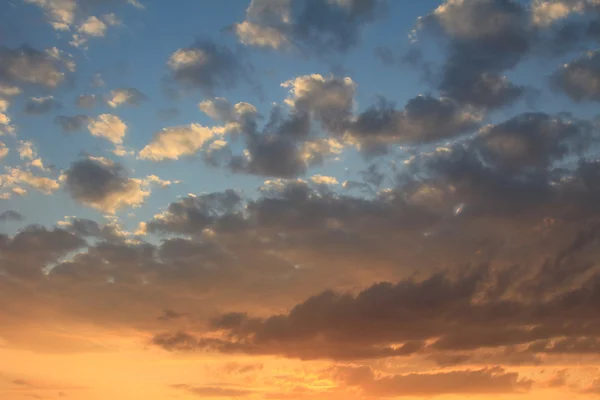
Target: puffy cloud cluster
(103, 184)
(319, 26)
(76, 15)
(41, 105)
(28, 66)
(107, 126)
(130, 96)
(580, 79)
(207, 66)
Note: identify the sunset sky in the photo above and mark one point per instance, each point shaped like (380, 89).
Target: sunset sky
(299, 199)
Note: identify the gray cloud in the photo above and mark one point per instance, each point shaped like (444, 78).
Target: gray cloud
(318, 26)
(580, 79)
(131, 96)
(533, 140)
(26, 65)
(41, 105)
(103, 184)
(72, 124)
(479, 52)
(424, 119)
(11, 215)
(207, 66)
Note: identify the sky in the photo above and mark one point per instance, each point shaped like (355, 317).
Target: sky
(299, 199)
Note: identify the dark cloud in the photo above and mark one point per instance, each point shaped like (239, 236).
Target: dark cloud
(467, 382)
(479, 52)
(26, 65)
(316, 26)
(192, 214)
(207, 66)
(424, 119)
(26, 254)
(580, 79)
(41, 105)
(11, 215)
(533, 140)
(286, 145)
(91, 229)
(103, 184)
(72, 124)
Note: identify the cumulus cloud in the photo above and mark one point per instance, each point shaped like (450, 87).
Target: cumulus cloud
(41, 105)
(26, 65)
(207, 66)
(318, 26)
(580, 79)
(11, 215)
(479, 52)
(424, 119)
(3, 150)
(174, 142)
(533, 140)
(130, 96)
(329, 100)
(104, 184)
(14, 177)
(109, 127)
(72, 124)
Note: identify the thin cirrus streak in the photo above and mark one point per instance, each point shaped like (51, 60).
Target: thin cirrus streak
(289, 199)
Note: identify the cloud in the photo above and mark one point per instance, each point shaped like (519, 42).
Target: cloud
(329, 100)
(26, 65)
(174, 142)
(466, 382)
(86, 101)
(67, 15)
(110, 232)
(108, 126)
(580, 79)
(11, 215)
(532, 140)
(207, 66)
(214, 391)
(3, 150)
(129, 96)
(26, 254)
(13, 178)
(320, 26)
(72, 124)
(41, 105)
(424, 119)
(194, 213)
(479, 52)
(104, 184)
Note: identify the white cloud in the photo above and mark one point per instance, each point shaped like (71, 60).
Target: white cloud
(11, 181)
(324, 180)
(174, 142)
(125, 96)
(3, 150)
(110, 127)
